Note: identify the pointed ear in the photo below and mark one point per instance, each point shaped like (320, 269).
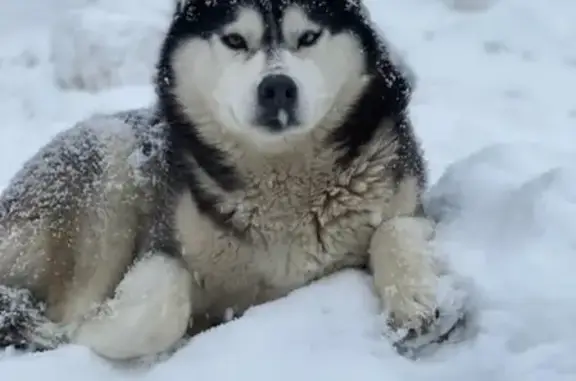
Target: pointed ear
(179, 6)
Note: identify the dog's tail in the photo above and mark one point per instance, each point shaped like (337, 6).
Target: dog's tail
(23, 324)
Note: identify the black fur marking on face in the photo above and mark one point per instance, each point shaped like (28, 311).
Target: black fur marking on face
(184, 142)
(386, 97)
(187, 151)
(184, 138)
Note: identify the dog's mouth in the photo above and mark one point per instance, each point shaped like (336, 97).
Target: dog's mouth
(277, 122)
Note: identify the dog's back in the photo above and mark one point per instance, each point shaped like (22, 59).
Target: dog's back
(84, 190)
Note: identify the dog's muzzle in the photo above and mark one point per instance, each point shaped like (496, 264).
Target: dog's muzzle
(277, 102)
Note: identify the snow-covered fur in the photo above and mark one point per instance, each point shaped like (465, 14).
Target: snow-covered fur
(279, 151)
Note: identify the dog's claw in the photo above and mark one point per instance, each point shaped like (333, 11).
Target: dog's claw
(434, 329)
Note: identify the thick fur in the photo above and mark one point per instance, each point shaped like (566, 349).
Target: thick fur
(129, 227)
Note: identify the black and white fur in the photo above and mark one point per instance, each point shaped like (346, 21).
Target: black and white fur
(279, 151)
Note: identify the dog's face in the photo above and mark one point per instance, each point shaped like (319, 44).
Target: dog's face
(265, 70)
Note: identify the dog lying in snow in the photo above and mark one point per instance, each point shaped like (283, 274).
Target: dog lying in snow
(279, 151)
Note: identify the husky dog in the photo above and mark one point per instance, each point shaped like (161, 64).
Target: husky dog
(279, 151)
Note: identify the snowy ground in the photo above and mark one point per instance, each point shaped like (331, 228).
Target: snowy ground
(496, 110)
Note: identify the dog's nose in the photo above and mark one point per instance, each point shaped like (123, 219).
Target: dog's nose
(277, 92)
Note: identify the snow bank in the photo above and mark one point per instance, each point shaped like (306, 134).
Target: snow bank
(508, 213)
(469, 5)
(106, 43)
(515, 203)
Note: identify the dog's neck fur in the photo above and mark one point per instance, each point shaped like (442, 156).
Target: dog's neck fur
(306, 183)
(292, 153)
(305, 157)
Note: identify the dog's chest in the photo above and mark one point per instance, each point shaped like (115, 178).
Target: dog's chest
(295, 226)
(310, 218)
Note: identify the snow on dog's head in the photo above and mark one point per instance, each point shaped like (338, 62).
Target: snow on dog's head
(265, 71)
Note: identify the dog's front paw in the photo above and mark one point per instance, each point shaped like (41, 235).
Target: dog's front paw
(409, 317)
(417, 321)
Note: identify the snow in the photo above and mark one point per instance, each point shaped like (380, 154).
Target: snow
(495, 109)
(106, 44)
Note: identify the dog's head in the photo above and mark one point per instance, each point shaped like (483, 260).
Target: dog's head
(266, 70)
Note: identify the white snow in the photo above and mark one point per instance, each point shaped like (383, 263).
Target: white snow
(496, 111)
(106, 43)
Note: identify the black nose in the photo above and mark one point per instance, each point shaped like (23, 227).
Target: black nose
(277, 92)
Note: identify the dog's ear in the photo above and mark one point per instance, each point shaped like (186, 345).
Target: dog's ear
(178, 5)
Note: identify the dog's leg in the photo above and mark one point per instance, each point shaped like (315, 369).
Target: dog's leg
(23, 323)
(405, 278)
(148, 314)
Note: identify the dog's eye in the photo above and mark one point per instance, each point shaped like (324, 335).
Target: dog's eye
(308, 38)
(234, 41)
